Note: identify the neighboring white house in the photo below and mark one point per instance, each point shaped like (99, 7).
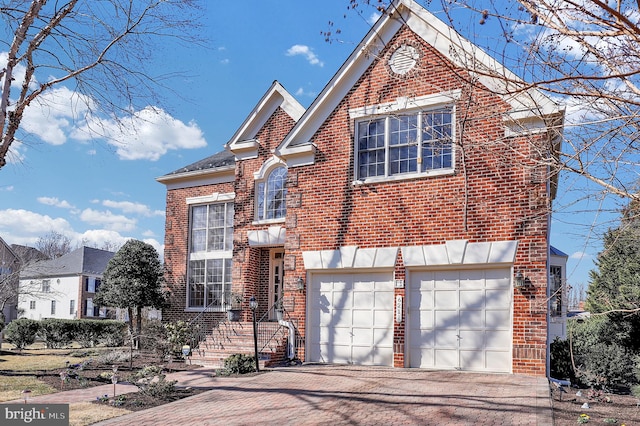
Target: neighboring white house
(63, 288)
(557, 294)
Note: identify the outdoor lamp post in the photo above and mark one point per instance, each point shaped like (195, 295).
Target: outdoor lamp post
(253, 304)
(26, 394)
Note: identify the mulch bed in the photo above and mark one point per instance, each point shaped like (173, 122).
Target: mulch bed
(95, 374)
(606, 409)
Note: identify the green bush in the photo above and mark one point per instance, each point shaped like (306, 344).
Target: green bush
(238, 364)
(152, 381)
(112, 333)
(602, 362)
(57, 333)
(22, 332)
(179, 333)
(561, 367)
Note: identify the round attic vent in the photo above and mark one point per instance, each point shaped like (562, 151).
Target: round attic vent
(403, 59)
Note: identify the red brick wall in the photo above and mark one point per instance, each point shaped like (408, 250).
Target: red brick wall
(491, 197)
(176, 242)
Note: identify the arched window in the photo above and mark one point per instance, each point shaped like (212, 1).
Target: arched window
(271, 195)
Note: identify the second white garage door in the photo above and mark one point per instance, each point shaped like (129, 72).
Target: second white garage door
(460, 320)
(351, 319)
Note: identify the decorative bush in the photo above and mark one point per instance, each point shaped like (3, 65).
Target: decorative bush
(238, 364)
(179, 333)
(152, 381)
(22, 332)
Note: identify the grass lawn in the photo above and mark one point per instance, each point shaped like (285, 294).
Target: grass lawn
(18, 372)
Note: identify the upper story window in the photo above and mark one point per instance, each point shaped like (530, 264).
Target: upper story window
(212, 227)
(46, 286)
(411, 143)
(271, 195)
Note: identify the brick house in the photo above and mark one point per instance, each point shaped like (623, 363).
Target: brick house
(401, 220)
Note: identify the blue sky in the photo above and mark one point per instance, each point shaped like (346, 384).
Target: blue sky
(89, 189)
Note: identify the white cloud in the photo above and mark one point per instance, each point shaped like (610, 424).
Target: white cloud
(146, 135)
(580, 255)
(108, 220)
(307, 52)
(20, 226)
(54, 201)
(130, 207)
(100, 237)
(373, 18)
(51, 115)
(225, 61)
(7, 188)
(301, 92)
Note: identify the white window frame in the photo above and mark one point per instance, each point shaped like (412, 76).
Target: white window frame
(210, 257)
(263, 189)
(72, 307)
(418, 106)
(32, 304)
(53, 307)
(46, 286)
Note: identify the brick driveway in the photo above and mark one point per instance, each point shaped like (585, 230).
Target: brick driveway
(329, 394)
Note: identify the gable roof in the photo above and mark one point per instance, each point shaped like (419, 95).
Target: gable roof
(83, 261)
(526, 104)
(243, 143)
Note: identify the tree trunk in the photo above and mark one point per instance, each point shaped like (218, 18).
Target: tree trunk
(138, 323)
(134, 339)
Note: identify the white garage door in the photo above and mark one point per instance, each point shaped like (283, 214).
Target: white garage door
(351, 319)
(460, 320)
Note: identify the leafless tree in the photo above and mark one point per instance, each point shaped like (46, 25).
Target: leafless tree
(102, 49)
(54, 245)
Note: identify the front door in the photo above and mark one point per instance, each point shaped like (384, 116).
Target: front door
(276, 279)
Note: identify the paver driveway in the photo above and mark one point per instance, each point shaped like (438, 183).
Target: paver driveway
(330, 394)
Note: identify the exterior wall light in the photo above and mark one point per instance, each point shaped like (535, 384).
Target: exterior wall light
(300, 284)
(520, 281)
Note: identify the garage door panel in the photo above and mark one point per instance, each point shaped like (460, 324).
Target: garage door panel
(472, 319)
(445, 319)
(460, 319)
(498, 360)
(471, 299)
(498, 279)
(351, 318)
(446, 338)
(497, 318)
(361, 298)
(498, 299)
(446, 359)
(446, 299)
(471, 339)
(362, 318)
(383, 320)
(472, 360)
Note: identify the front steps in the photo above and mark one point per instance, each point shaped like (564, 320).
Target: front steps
(237, 338)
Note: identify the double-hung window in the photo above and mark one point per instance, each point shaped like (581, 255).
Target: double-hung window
(271, 195)
(407, 143)
(46, 286)
(210, 253)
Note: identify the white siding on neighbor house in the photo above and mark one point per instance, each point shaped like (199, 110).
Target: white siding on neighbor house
(62, 290)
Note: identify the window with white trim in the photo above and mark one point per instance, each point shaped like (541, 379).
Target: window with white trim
(53, 307)
(418, 142)
(32, 304)
(210, 253)
(271, 195)
(555, 301)
(72, 307)
(46, 286)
